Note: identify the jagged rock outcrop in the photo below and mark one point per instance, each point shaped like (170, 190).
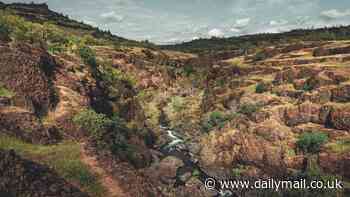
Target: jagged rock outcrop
(233, 148)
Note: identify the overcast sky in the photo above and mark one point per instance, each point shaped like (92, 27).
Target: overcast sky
(169, 21)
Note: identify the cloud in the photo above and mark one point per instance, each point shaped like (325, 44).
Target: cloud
(334, 14)
(216, 33)
(235, 30)
(280, 22)
(112, 17)
(241, 23)
(186, 19)
(90, 22)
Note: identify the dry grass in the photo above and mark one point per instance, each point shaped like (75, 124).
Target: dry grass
(64, 158)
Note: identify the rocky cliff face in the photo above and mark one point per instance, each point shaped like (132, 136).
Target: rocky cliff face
(26, 71)
(234, 115)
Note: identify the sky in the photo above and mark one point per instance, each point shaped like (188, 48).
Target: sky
(174, 21)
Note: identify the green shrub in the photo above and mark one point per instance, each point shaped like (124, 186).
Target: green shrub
(237, 172)
(249, 109)
(220, 82)
(20, 29)
(95, 124)
(88, 56)
(107, 133)
(261, 87)
(55, 48)
(55, 35)
(307, 87)
(89, 40)
(217, 119)
(112, 75)
(311, 142)
(196, 173)
(4, 31)
(5, 92)
(260, 56)
(188, 70)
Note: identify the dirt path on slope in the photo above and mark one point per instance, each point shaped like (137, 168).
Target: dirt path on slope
(112, 185)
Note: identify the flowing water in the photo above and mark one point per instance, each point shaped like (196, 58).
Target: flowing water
(177, 147)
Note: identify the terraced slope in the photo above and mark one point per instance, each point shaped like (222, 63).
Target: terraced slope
(278, 111)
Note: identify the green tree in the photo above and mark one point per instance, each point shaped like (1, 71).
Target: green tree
(95, 124)
(311, 142)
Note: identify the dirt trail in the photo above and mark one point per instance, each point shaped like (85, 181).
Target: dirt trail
(112, 185)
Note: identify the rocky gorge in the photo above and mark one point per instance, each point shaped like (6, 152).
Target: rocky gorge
(86, 113)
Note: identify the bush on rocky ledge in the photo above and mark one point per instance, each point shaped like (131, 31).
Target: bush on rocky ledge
(311, 142)
(261, 88)
(217, 119)
(249, 109)
(105, 132)
(95, 124)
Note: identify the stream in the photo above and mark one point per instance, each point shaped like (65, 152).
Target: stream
(178, 148)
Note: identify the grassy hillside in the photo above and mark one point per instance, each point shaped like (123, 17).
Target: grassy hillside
(262, 40)
(278, 106)
(41, 14)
